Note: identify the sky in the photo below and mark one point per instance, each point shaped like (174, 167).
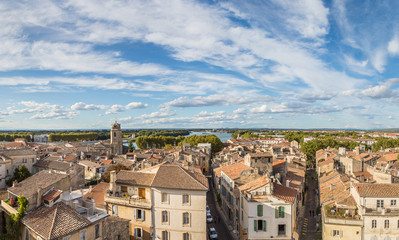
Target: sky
(73, 64)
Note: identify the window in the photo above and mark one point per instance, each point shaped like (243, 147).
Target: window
(186, 236)
(280, 212)
(186, 218)
(139, 214)
(83, 235)
(165, 217)
(336, 233)
(281, 229)
(380, 203)
(260, 210)
(138, 232)
(386, 224)
(393, 202)
(97, 230)
(373, 223)
(165, 235)
(114, 210)
(398, 223)
(164, 198)
(260, 225)
(186, 199)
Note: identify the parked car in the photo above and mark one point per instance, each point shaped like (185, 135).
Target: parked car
(212, 233)
(208, 210)
(209, 218)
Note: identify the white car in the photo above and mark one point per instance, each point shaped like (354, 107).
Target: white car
(212, 233)
(208, 210)
(209, 218)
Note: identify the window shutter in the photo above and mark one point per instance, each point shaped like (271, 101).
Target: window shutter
(264, 225)
(282, 212)
(260, 210)
(135, 213)
(135, 232)
(276, 211)
(142, 215)
(255, 225)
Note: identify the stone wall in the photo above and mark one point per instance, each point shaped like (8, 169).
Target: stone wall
(114, 226)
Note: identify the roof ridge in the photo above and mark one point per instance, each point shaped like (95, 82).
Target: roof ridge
(53, 222)
(186, 172)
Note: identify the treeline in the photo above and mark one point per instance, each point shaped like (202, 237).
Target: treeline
(215, 142)
(385, 143)
(300, 135)
(310, 147)
(146, 142)
(10, 137)
(70, 137)
(163, 132)
(244, 134)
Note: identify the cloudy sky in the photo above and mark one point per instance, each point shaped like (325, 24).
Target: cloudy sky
(158, 64)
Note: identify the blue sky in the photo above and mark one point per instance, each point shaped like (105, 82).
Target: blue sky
(164, 64)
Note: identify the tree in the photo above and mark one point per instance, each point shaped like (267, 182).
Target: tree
(118, 167)
(21, 173)
(168, 146)
(131, 147)
(215, 142)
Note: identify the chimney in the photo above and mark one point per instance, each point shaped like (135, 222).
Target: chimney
(112, 178)
(287, 183)
(15, 183)
(39, 196)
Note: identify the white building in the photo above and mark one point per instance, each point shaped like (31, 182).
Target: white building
(172, 198)
(42, 138)
(378, 206)
(268, 210)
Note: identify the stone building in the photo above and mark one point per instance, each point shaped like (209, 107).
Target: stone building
(116, 139)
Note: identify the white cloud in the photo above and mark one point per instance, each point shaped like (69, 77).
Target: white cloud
(157, 115)
(81, 106)
(211, 100)
(383, 90)
(393, 46)
(136, 105)
(115, 109)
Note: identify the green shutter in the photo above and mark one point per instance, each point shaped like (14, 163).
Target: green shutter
(255, 225)
(276, 212)
(264, 225)
(260, 210)
(282, 212)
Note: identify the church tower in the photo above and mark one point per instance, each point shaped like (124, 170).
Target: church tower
(116, 139)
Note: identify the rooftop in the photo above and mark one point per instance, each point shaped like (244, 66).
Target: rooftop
(234, 171)
(30, 185)
(377, 189)
(56, 221)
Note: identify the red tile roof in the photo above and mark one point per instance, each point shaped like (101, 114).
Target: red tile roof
(98, 192)
(377, 189)
(52, 195)
(284, 193)
(255, 184)
(234, 171)
(56, 221)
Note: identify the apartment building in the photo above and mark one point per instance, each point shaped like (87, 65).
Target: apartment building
(161, 202)
(267, 209)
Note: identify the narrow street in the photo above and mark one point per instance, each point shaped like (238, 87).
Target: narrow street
(309, 228)
(220, 226)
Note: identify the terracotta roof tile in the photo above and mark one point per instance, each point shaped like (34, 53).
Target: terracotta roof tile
(234, 171)
(135, 178)
(56, 221)
(52, 195)
(255, 184)
(284, 193)
(377, 189)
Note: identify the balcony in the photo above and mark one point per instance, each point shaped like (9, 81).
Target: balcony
(8, 208)
(127, 200)
(381, 211)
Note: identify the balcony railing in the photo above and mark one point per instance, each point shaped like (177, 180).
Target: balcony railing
(8, 208)
(127, 200)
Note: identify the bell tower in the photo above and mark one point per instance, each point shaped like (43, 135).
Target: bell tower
(116, 139)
